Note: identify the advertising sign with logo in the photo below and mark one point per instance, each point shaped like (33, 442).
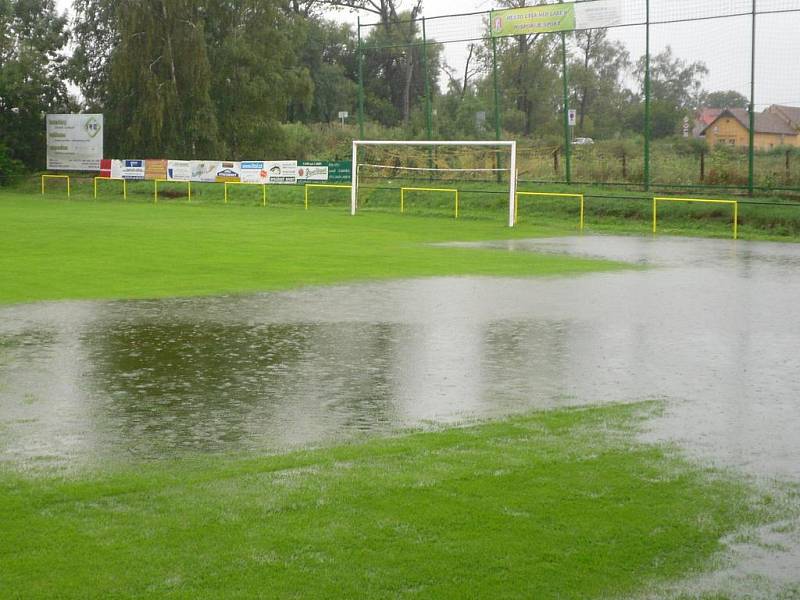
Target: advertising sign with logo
(572, 117)
(253, 171)
(555, 17)
(205, 170)
(179, 170)
(74, 142)
(281, 171)
(155, 169)
(324, 170)
(312, 170)
(228, 171)
(127, 169)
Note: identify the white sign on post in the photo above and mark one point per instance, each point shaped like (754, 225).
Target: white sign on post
(74, 142)
(572, 117)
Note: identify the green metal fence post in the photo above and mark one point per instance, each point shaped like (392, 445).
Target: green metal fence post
(360, 84)
(428, 111)
(647, 98)
(567, 140)
(752, 150)
(497, 128)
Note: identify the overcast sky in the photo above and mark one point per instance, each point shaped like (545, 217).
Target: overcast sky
(722, 44)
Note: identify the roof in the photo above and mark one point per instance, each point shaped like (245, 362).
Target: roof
(792, 113)
(765, 122)
(706, 116)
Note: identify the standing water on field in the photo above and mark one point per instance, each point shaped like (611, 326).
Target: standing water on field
(712, 328)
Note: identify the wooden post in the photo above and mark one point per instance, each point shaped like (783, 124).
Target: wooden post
(702, 166)
(555, 160)
(624, 166)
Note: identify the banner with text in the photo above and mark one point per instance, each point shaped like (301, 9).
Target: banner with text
(324, 171)
(548, 18)
(247, 171)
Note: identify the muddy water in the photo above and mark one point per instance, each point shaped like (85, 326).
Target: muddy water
(713, 328)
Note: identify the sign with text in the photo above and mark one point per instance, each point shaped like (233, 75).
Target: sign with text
(127, 169)
(253, 171)
(281, 171)
(74, 142)
(547, 18)
(324, 170)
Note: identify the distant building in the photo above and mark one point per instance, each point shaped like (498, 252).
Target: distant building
(704, 118)
(790, 114)
(732, 127)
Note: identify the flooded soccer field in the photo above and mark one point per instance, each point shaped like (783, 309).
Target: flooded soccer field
(710, 327)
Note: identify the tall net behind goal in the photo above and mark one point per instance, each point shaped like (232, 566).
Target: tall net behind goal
(461, 178)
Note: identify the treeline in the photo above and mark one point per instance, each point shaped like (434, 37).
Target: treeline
(223, 78)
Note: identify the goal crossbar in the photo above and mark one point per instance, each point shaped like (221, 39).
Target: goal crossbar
(512, 167)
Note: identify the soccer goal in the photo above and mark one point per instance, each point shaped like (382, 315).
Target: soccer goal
(477, 168)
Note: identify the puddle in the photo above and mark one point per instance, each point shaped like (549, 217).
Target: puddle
(713, 328)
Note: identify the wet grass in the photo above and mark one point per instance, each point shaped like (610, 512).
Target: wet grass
(56, 249)
(554, 504)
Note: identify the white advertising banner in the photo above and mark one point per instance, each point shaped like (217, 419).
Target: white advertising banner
(179, 170)
(281, 171)
(312, 172)
(74, 142)
(205, 170)
(601, 13)
(127, 169)
(253, 171)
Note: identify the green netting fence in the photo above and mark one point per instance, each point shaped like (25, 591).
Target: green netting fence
(666, 93)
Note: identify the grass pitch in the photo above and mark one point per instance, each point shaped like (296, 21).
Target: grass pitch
(59, 249)
(555, 505)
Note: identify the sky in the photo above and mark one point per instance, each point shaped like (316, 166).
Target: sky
(722, 44)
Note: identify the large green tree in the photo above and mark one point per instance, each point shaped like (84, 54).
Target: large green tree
(596, 71)
(33, 37)
(158, 100)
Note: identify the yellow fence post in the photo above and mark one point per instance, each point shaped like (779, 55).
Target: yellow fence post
(43, 177)
(735, 204)
(581, 199)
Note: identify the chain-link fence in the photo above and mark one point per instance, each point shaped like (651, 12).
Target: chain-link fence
(666, 93)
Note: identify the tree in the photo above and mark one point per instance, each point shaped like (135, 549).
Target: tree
(675, 91)
(726, 99)
(253, 49)
(394, 70)
(330, 56)
(33, 37)
(159, 90)
(595, 76)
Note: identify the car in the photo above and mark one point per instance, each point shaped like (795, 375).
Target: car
(582, 141)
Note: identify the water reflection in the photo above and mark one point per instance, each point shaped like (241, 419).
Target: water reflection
(713, 328)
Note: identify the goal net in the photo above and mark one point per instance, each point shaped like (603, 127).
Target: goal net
(460, 175)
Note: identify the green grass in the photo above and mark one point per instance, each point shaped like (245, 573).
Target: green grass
(554, 504)
(56, 249)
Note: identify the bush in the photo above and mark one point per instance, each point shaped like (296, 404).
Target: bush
(10, 168)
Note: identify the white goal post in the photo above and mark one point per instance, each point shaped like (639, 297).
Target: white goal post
(512, 167)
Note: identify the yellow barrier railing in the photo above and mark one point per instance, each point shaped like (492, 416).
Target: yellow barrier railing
(735, 203)
(124, 185)
(263, 189)
(324, 185)
(558, 195)
(403, 191)
(155, 187)
(56, 177)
